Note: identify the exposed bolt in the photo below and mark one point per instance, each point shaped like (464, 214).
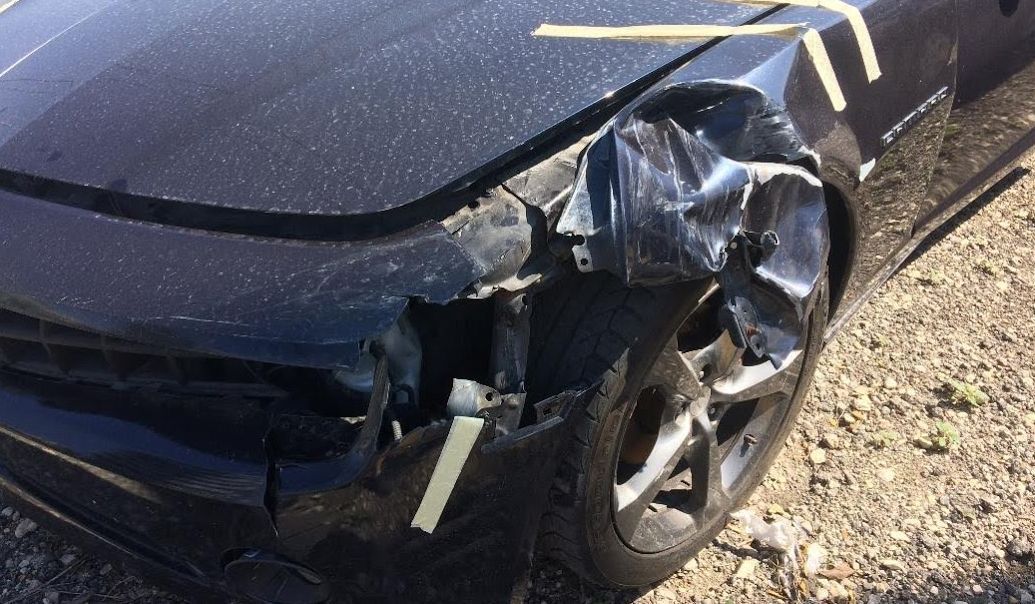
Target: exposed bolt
(750, 439)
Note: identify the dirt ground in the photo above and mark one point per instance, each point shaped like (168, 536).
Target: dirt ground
(860, 478)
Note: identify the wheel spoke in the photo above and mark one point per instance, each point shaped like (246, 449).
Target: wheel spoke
(676, 373)
(747, 383)
(632, 497)
(704, 457)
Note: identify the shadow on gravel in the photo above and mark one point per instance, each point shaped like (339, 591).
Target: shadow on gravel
(966, 213)
(995, 588)
(552, 583)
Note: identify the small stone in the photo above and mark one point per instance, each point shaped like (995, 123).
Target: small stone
(67, 559)
(894, 565)
(886, 474)
(863, 404)
(52, 597)
(105, 570)
(837, 592)
(831, 440)
(664, 594)
(24, 527)
(837, 572)
(818, 457)
(1026, 598)
(898, 536)
(7, 512)
(746, 568)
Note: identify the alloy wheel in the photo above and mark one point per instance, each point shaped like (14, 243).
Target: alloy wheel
(706, 415)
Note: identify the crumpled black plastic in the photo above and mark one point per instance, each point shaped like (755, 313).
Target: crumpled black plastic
(675, 184)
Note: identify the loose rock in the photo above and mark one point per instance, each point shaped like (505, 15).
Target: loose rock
(24, 527)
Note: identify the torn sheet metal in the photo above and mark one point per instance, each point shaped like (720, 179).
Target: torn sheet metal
(674, 190)
(501, 234)
(779, 275)
(547, 184)
(462, 436)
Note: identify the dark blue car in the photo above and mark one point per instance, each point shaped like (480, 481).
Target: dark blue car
(369, 300)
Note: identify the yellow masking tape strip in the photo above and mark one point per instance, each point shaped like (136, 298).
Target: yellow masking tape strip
(8, 5)
(810, 38)
(855, 19)
(462, 436)
(818, 51)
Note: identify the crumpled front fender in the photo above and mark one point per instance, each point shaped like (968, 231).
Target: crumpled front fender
(704, 180)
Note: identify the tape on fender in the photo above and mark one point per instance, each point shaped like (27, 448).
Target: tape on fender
(855, 19)
(6, 5)
(463, 433)
(813, 42)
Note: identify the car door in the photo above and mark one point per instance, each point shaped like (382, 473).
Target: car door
(993, 117)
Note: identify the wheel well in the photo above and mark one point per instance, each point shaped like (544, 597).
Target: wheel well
(839, 261)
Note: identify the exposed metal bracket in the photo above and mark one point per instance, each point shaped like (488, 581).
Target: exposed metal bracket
(510, 337)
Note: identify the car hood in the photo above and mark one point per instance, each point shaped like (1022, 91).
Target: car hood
(309, 107)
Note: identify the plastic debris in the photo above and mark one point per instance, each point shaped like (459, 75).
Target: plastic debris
(801, 563)
(815, 555)
(781, 535)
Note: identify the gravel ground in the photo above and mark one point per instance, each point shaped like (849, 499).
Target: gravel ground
(897, 520)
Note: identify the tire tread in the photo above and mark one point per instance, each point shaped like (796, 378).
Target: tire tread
(592, 325)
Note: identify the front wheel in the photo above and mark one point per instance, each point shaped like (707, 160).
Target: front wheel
(682, 429)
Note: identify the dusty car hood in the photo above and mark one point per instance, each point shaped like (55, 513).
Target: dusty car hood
(307, 107)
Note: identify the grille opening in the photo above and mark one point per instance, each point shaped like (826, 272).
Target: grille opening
(44, 349)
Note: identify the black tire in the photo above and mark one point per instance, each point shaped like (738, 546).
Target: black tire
(595, 330)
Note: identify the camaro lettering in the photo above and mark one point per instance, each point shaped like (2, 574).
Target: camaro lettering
(910, 120)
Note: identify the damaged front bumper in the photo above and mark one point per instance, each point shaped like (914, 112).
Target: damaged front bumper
(161, 482)
(239, 451)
